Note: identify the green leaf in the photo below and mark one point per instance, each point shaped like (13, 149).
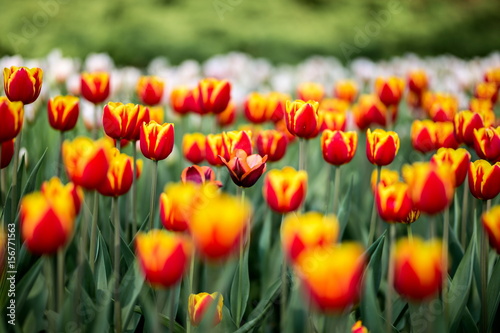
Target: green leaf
(458, 293)
(374, 255)
(30, 183)
(345, 209)
(468, 323)
(23, 287)
(493, 293)
(130, 287)
(245, 289)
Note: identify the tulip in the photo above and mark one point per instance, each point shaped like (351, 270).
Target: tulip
(7, 152)
(457, 159)
(381, 146)
(346, 90)
(285, 190)
(199, 175)
(483, 179)
(387, 177)
(12, 115)
(219, 226)
(302, 118)
(63, 112)
(228, 116)
(338, 147)
(445, 135)
(369, 110)
(162, 256)
(182, 101)
(481, 105)
(256, 108)
(193, 147)
(334, 105)
(199, 304)
(418, 268)
(310, 91)
(358, 328)
(443, 108)
(22, 84)
(393, 202)
(272, 143)
(281, 127)
(234, 140)
(150, 89)
(301, 232)
(157, 141)
(120, 120)
(86, 161)
(277, 105)
(245, 170)
(212, 95)
(177, 204)
(487, 143)
(423, 135)
(332, 275)
(389, 90)
(95, 86)
(487, 90)
(214, 147)
(418, 82)
(493, 75)
(431, 187)
(120, 175)
(335, 121)
(156, 113)
(491, 224)
(72, 193)
(465, 123)
(144, 115)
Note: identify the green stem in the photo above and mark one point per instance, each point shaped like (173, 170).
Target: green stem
(59, 155)
(240, 267)
(153, 195)
(284, 285)
(2, 180)
(446, 231)
(60, 279)
(390, 277)
(336, 191)
(134, 190)
(117, 307)
(373, 220)
(410, 232)
(93, 233)
(172, 308)
(463, 233)
(95, 131)
(484, 274)
(49, 279)
(302, 164)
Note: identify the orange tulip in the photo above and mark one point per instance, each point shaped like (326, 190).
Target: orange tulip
(381, 146)
(219, 226)
(12, 115)
(483, 179)
(7, 153)
(478, 105)
(418, 82)
(443, 108)
(212, 95)
(162, 256)
(334, 105)
(256, 108)
(387, 177)
(214, 147)
(418, 268)
(156, 113)
(393, 202)
(86, 161)
(310, 91)
(487, 90)
(177, 204)
(493, 75)
(457, 159)
(193, 147)
(272, 143)
(301, 232)
(245, 170)
(423, 135)
(491, 224)
(228, 116)
(73, 193)
(389, 90)
(346, 90)
(120, 175)
(63, 112)
(199, 304)
(150, 89)
(445, 135)
(465, 123)
(431, 187)
(22, 84)
(332, 120)
(157, 141)
(182, 101)
(487, 143)
(277, 105)
(285, 190)
(95, 86)
(338, 147)
(332, 275)
(369, 110)
(302, 118)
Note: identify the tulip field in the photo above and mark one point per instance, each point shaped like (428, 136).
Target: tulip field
(237, 195)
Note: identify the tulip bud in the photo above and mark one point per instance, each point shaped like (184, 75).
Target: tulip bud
(483, 179)
(214, 147)
(387, 177)
(277, 105)
(285, 190)
(120, 175)
(182, 101)
(302, 118)
(63, 112)
(22, 84)
(7, 153)
(212, 95)
(95, 87)
(256, 108)
(177, 204)
(465, 123)
(393, 202)
(487, 90)
(193, 147)
(445, 135)
(423, 135)
(491, 225)
(157, 141)
(12, 115)
(358, 328)
(381, 146)
(457, 159)
(418, 268)
(245, 170)
(346, 90)
(228, 116)
(487, 143)
(71, 192)
(338, 147)
(418, 82)
(389, 90)
(308, 91)
(443, 108)
(199, 304)
(120, 120)
(234, 140)
(162, 256)
(369, 110)
(332, 120)
(300, 232)
(150, 89)
(273, 144)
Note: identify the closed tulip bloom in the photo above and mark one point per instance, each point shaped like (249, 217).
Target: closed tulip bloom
(418, 81)
(150, 89)
(22, 84)
(381, 146)
(120, 120)
(71, 192)
(335, 105)
(389, 90)
(308, 91)
(346, 90)
(228, 116)
(465, 122)
(144, 115)
(177, 204)
(493, 75)
(423, 135)
(358, 327)
(431, 187)
(95, 86)
(198, 305)
(199, 175)
(338, 147)
(487, 90)
(193, 147)
(12, 115)
(234, 140)
(162, 256)
(157, 141)
(443, 108)
(63, 112)
(120, 175)
(477, 105)
(182, 101)
(331, 120)
(393, 202)
(491, 224)
(245, 170)
(214, 147)
(369, 110)
(302, 118)
(272, 143)
(418, 268)
(487, 143)
(277, 105)
(300, 232)
(483, 179)
(445, 135)
(256, 108)
(387, 177)
(212, 95)
(86, 161)
(332, 276)
(457, 159)
(285, 190)
(7, 153)
(219, 226)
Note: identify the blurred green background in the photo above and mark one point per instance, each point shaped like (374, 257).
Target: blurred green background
(133, 32)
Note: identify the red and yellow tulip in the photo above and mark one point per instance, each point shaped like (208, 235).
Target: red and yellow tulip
(212, 95)
(393, 202)
(199, 304)
(389, 90)
(457, 159)
(256, 108)
(177, 204)
(150, 89)
(483, 179)
(487, 143)
(95, 87)
(272, 143)
(7, 153)
(12, 115)
(381, 146)
(63, 112)
(120, 175)
(310, 91)
(302, 118)
(338, 147)
(193, 147)
(369, 110)
(285, 190)
(491, 224)
(22, 84)
(157, 141)
(346, 90)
